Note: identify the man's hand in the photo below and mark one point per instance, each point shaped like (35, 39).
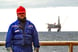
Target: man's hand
(9, 49)
(36, 49)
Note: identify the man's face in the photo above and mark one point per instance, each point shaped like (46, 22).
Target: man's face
(21, 15)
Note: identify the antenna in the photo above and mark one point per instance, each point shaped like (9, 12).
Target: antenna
(59, 25)
(58, 20)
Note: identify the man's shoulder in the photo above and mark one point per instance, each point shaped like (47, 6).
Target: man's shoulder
(13, 23)
(29, 22)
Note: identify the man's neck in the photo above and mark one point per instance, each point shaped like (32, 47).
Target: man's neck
(22, 20)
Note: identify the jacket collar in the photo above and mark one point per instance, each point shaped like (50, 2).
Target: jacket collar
(18, 22)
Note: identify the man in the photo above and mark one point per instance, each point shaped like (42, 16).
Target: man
(21, 34)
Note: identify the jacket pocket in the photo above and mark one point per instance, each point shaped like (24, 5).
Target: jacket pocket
(18, 37)
(17, 30)
(28, 39)
(29, 31)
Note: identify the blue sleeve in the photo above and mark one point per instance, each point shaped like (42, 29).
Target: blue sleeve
(35, 38)
(9, 37)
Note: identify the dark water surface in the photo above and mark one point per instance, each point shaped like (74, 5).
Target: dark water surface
(51, 36)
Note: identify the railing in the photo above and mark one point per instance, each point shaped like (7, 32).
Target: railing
(54, 43)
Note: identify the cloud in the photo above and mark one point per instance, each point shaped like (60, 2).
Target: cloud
(37, 3)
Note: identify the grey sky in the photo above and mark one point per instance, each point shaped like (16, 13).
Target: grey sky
(37, 3)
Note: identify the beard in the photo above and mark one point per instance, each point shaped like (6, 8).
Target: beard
(22, 20)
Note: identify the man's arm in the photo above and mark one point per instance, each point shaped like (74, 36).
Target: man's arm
(9, 39)
(35, 40)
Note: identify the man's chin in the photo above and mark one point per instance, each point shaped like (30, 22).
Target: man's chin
(22, 17)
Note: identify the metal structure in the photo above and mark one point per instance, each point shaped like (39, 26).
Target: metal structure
(54, 43)
(50, 26)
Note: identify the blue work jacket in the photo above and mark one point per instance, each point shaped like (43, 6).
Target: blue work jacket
(16, 36)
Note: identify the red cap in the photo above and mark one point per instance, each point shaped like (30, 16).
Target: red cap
(20, 9)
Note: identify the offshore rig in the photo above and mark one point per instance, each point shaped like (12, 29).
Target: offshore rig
(58, 26)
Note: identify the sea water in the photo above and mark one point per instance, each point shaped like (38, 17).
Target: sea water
(50, 36)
